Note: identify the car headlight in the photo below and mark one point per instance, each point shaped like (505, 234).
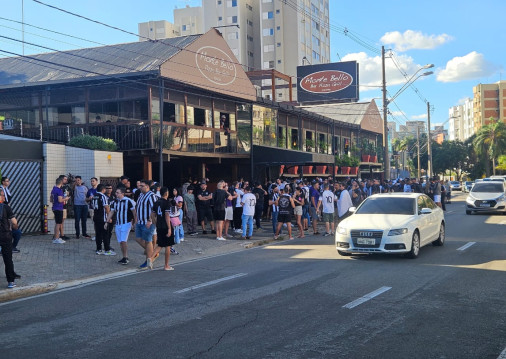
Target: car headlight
(342, 230)
(470, 200)
(501, 198)
(397, 231)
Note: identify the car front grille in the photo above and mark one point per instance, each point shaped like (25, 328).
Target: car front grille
(377, 235)
(478, 203)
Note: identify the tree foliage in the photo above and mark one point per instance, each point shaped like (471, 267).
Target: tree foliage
(93, 143)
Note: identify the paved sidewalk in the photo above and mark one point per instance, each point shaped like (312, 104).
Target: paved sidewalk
(45, 266)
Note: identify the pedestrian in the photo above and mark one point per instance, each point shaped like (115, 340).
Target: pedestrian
(179, 235)
(8, 223)
(204, 210)
(328, 200)
(220, 197)
(66, 192)
(275, 209)
(144, 229)
(111, 198)
(58, 199)
(229, 210)
(161, 219)
(16, 233)
(306, 220)
(344, 203)
(190, 211)
(89, 198)
(259, 193)
(285, 204)
(298, 199)
(123, 211)
(436, 190)
(314, 203)
(248, 203)
(80, 206)
(238, 192)
(100, 212)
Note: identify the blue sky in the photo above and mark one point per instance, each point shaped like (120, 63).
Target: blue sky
(464, 40)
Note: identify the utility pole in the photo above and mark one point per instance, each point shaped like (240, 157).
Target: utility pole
(418, 149)
(429, 150)
(385, 120)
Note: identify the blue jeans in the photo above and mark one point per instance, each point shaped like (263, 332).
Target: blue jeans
(80, 214)
(181, 229)
(305, 214)
(275, 222)
(247, 223)
(16, 236)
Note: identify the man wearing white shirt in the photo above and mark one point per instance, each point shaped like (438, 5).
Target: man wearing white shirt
(407, 185)
(328, 199)
(344, 203)
(238, 208)
(248, 202)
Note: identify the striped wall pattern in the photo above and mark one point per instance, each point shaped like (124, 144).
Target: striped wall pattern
(26, 190)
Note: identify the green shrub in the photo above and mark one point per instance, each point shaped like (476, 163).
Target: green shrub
(93, 143)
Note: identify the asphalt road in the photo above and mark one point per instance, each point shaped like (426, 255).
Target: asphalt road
(295, 299)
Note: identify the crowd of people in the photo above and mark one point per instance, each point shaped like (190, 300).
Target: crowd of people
(156, 214)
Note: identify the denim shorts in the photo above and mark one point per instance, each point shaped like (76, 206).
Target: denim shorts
(145, 233)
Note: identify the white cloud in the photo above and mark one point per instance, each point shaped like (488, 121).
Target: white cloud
(469, 67)
(370, 70)
(414, 40)
(398, 113)
(419, 117)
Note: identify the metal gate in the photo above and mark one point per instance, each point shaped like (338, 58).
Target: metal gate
(26, 190)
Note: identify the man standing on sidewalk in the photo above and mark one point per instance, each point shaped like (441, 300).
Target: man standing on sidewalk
(190, 210)
(80, 206)
(315, 202)
(7, 224)
(100, 211)
(248, 201)
(58, 198)
(144, 230)
(89, 197)
(124, 209)
(204, 210)
(16, 233)
(328, 199)
(260, 193)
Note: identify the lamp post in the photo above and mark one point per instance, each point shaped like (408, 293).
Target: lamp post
(408, 83)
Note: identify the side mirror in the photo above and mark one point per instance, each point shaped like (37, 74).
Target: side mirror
(352, 209)
(426, 211)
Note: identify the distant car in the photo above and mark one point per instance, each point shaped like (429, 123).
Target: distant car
(467, 186)
(487, 196)
(455, 186)
(391, 223)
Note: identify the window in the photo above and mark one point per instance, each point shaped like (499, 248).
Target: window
(219, 2)
(183, 27)
(278, 44)
(278, 28)
(268, 48)
(268, 32)
(232, 3)
(268, 15)
(232, 19)
(277, 11)
(220, 18)
(279, 61)
(233, 35)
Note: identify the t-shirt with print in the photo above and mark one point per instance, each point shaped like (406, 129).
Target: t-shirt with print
(328, 200)
(284, 204)
(249, 200)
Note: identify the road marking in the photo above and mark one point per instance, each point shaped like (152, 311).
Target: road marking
(366, 297)
(465, 246)
(502, 355)
(206, 284)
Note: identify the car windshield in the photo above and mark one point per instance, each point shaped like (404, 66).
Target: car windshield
(469, 183)
(454, 182)
(387, 205)
(492, 187)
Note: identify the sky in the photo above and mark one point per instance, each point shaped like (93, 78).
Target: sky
(464, 39)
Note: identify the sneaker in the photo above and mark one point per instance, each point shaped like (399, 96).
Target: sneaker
(109, 253)
(149, 263)
(213, 231)
(123, 261)
(326, 234)
(221, 239)
(238, 230)
(173, 251)
(248, 237)
(15, 250)
(92, 238)
(99, 252)
(58, 241)
(65, 238)
(204, 232)
(144, 265)
(181, 239)
(78, 236)
(193, 234)
(11, 285)
(169, 268)
(87, 236)
(17, 276)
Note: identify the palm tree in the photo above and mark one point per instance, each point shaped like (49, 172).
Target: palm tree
(492, 136)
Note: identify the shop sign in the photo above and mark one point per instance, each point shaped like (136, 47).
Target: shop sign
(215, 65)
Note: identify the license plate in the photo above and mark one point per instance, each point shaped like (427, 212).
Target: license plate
(485, 205)
(369, 241)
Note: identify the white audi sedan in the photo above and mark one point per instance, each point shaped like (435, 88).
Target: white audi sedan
(391, 223)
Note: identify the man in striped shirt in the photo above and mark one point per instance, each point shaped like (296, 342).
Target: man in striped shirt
(275, 208)
(144, 229)
(101, 209)
(124, 209)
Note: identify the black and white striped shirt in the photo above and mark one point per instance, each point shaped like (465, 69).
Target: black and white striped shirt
(144, 207)
(275, 197)
(123, 210)
(100, 201)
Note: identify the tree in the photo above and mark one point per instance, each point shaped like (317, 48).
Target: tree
(491, 139)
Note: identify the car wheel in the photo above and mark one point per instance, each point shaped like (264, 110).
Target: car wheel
(468, 212)
(344, 254)
(415, 245)
(441, 239)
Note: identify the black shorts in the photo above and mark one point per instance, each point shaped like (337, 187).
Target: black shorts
(284, 218)
(219, 215)
(58, 216)
(164, 241)
(203, 213)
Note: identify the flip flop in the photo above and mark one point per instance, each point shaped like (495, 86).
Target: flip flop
(170, 268)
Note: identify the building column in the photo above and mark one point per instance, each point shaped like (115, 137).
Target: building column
(147, 168)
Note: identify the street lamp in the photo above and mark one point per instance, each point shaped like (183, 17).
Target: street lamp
(386, 102)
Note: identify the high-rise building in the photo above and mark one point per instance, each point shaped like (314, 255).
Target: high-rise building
(489, 102)
(265, 34)
(461, 124)
(156, 30)
(411, 127)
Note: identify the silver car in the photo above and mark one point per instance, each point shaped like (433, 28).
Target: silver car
(486, 196)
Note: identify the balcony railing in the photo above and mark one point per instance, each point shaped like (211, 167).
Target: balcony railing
(133, 136)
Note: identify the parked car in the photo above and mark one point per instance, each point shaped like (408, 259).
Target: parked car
(455, 186)
(391, 223)
(487, 196)
(467, 186)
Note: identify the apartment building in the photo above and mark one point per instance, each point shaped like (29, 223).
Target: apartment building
(489, 102)
(461, 123)
(156, 30)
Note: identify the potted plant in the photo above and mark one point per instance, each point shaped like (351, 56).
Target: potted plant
(307, 170)
(345, 164)
(365, 150)
(337, 162)
(354, 163)
(293, 170)
(372, 152)
(323, 146)
(321, 169)
(309, 145)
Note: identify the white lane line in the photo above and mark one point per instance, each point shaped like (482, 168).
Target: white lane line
(366, 297)
(502, 355)
(210, 283)
(465, 246)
